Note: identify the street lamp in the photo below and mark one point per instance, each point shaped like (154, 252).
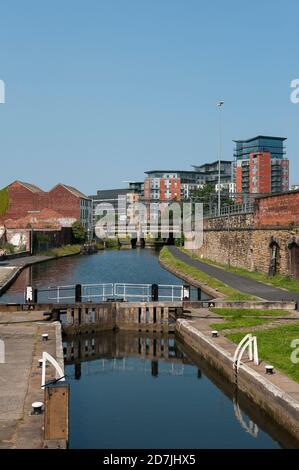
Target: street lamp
(220, 104)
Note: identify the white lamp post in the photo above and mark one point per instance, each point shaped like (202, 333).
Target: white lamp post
(220, 104)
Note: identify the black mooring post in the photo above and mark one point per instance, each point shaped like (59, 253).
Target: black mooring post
(78, 293)
(155, 292)
(35, 296)
(198, 293)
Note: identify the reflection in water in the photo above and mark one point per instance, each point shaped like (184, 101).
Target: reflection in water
(124, 384)
(251, 427)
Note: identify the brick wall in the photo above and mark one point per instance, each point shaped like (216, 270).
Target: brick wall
(22, 201)
(246, 240)
(279, 210)
(64, 202)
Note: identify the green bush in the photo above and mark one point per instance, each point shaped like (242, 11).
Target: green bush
(112, 243)
(79, 232)
(4, 201)
(8, 247)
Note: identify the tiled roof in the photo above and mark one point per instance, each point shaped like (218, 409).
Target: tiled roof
(32, 187)
(72, 190)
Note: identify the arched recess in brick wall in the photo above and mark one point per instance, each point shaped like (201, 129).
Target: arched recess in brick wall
(274, 263)
(293, 247)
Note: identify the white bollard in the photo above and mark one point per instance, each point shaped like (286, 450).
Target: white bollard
(269, 369)
(37, 407)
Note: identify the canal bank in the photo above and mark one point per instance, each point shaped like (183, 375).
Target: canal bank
(242, 284)
(276, 394)
(20, 380)
(143, 370)
(11, 268)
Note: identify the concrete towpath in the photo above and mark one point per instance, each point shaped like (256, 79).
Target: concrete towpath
(10, 269)
(241, 283)
(20, 377)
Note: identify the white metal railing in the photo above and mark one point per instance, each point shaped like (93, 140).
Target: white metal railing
(97, 291)
(124, 291)
(249, 342)
(174, 292)
(59, 371)
(58, 290)
(133, 291)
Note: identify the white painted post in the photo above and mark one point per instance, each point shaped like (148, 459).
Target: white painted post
(250, 352)
(255, 351)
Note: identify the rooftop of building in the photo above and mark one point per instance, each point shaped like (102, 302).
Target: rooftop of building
(35, 189)
(260, 137)
(31, 187)
(108, 193)
(169, 171)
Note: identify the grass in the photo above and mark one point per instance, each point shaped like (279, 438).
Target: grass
(244, 318)
(248, 312)
(238, 322)
(275, 348)
(62, 251)
(280, 281)
(194, 273)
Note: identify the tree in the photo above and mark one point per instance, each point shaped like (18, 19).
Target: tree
(203, 194)
(79, 232)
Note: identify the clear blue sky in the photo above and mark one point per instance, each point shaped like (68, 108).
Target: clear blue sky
(98, 91)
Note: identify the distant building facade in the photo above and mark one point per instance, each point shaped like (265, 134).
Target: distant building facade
(25, 199)
(261, 166)
(111, 198)
(178, 185)
(208, 173)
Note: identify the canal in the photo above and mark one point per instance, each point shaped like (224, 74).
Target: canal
(136, 390)
(140, 266)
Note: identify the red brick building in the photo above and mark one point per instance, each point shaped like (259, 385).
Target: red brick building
(24, 199)
(39, 230)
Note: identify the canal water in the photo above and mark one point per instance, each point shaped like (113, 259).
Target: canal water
(140, 266)
(134, 391)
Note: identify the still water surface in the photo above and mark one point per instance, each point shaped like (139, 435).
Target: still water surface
(130, 391)
(125, 266)
(124, 396)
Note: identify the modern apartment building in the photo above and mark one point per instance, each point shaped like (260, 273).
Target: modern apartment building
(168, 185)
(112, 197)
(209, 172)
(177, 185)
(261, 166)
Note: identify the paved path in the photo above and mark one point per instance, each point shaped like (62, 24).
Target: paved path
(24, 261)
(241, 283)
(20, 378)
(9, 269)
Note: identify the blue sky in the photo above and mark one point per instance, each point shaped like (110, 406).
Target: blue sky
(99, 91)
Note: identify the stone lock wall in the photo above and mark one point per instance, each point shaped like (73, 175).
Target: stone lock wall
(245, 240)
